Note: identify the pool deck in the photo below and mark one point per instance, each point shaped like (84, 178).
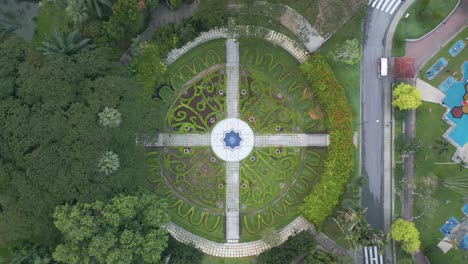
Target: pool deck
(429, 93)
(424, 48)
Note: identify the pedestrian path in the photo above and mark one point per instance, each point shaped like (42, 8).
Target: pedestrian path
(175, 140)
(429, 93)
(232, 202)
(387, 6)
(292, 140)
(236, 250)
(232, 69)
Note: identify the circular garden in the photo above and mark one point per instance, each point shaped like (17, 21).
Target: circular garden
(273, 99)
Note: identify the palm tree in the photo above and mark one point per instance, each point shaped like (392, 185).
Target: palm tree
(77, 11)
(57, 43)
(98, 8)
(110, 117)
(6, 30)
(109, 163)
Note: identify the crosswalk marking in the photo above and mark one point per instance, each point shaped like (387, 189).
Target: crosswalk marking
(372, 256)
(387, 6)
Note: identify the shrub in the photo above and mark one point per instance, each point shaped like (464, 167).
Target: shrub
(340, 158)
(290, 249)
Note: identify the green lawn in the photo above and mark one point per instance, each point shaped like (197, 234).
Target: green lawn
(454, 63)
(51, 15)
(424, 16)
(445, 202)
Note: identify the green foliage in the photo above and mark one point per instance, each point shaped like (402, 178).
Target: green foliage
(59, 44)
(126, 20)
(357, 230)
(77, 11)
(6, 30)
(180, 253)
(408, 147)
(30, 253)
(127, 229)
(109, 163)
(110, 117)
(50, 138)
(286, 252)
(176, 3)
(340, 159)
(317, 256)
(406, 96)
(176, 35)
(406, 232)
(148, 68)
(347, 53)
(12, 54)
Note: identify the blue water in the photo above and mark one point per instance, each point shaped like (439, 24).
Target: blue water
(454, 97)
(457, 48)
(436, 68)
(447, 83)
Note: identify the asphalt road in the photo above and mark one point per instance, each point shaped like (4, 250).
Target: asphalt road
(372, 113)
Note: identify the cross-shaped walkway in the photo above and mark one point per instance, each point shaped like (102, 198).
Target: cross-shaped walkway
(232, 165)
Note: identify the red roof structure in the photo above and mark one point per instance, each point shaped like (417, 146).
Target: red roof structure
(403, 67)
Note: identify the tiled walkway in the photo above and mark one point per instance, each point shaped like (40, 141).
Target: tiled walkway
(429, 93)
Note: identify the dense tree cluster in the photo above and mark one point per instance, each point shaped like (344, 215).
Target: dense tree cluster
(286, 252)
(127, 229)
(51, 140)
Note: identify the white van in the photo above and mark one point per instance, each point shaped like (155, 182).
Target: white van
(382, 67)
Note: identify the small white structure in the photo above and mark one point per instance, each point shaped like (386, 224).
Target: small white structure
(445, 245)
(232, 139)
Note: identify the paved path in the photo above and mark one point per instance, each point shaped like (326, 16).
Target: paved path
(232, 202)
(232, 82)
(292, 140)
(238, 250)
(429, 93)
(424, 48)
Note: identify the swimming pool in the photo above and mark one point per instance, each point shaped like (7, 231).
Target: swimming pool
(454, 98)
(447, 83)
(457, 48)
(436, 68)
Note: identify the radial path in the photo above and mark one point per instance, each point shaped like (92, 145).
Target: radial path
(232, 167)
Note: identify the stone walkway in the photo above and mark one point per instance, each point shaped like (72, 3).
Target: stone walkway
(429, 93)
(232, 202)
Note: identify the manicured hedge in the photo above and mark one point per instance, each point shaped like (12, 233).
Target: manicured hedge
(339, 162)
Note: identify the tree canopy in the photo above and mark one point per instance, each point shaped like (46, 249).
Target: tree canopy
(406, 232)
(127, 229)
(51, 140)
(406, 97)
(348, 53)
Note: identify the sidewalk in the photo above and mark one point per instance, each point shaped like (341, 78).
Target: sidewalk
(424, 48)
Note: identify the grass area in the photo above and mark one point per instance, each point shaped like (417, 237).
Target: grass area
(454, 63)
(51, 15)
(424, 16)
(443, 203)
